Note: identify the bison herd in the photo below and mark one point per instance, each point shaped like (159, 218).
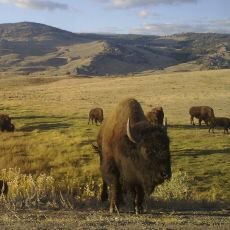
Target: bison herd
(134, 148)
(206, 114)
(156, 117)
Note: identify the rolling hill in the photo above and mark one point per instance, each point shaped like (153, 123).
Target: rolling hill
(27, 48)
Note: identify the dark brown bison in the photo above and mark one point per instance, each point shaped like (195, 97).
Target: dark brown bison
(221, 122)
(3, 187)
(156, 116)
(5, 123)
(202, 113)
(96, 115)
(134, 154)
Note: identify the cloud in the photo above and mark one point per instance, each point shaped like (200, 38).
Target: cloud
(123, 4)
(37, 4)
(143, 14)
(218, 26)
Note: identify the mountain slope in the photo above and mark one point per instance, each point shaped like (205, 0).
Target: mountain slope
(32, 47)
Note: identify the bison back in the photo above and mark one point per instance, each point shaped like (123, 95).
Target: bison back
(114, 126)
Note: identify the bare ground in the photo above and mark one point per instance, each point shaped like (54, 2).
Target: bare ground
(99, 218)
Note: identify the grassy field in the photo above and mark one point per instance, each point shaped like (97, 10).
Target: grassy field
(52, 135)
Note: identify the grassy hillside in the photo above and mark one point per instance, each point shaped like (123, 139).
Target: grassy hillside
(52, 135)
(28, 48)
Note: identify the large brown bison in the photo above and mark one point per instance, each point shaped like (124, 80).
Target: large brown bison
(134, 154)
(156, 116)
(3, 187)
(221, 122)
(202, 113)
(5, 123)
(96, 115)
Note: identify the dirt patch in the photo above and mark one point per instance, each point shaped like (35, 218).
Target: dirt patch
(92, 219)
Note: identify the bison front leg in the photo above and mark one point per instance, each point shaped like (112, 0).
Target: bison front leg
(138, 198)
(115, 196)
(192, 120)
(104, 192)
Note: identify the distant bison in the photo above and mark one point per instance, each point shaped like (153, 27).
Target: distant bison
(202, 113)
(134, 155)
(3, 187)
(221, 122)
(5, 123)
(96, 115)
(156, 116)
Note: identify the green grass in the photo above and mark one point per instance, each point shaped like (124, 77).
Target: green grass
(52, 135)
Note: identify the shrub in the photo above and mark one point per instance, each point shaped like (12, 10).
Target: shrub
(177, 188)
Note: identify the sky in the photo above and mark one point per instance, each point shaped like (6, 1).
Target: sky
(150, 17)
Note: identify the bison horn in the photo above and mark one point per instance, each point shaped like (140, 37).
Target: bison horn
(129, 133)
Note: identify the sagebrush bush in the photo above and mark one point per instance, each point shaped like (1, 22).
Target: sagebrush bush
(177, 188)
(43, 191)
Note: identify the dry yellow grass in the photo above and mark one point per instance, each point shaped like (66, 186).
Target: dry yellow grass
(52, 135)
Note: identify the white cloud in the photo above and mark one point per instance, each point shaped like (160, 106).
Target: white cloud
(140, 3)
(37, 4)
(218, 26)
(143, 14)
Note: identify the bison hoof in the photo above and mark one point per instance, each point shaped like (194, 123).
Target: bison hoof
(138, 210)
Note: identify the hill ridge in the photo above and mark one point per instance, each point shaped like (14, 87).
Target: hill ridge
(28, 47)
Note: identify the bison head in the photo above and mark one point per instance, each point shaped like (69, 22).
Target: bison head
(152, 151)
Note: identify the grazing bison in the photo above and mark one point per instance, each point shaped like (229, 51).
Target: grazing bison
(220, 121)
(202, 113)
(133, 153)
(156, 116)
(3, 187)
(96, 115)
(5, 123)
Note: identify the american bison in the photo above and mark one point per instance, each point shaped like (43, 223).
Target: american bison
(156, 116)
(96, 115)
(202, 113)
(134, 155)
(5, 123)
(3, 187)
(221, 122)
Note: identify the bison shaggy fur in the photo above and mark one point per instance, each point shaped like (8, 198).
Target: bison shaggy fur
(134, 154)
(156, 116)
(202, 113)
(96, 115)
(221, 122)
(5, 123)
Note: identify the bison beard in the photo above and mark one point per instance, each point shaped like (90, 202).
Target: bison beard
(132, 151)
